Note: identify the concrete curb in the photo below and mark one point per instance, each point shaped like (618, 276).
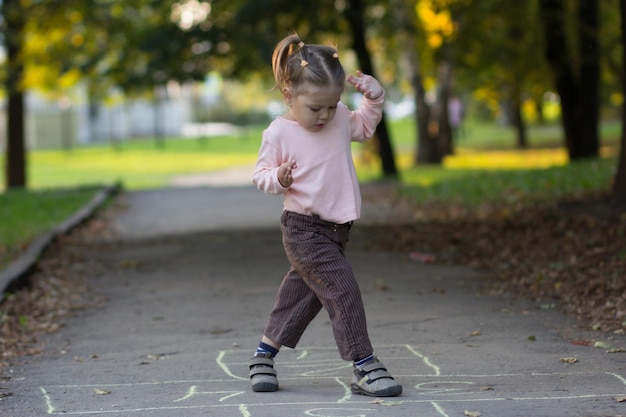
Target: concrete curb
(14, 275)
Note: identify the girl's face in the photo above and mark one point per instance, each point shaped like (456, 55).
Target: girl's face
(313, 106)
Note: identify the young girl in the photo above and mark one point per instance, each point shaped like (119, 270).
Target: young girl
(305, 155)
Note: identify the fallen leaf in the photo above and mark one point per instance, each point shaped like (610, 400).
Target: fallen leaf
(475, 333)
(219, 330)
(387, 403)
(601, 345)
(160, 356)
(426, 258)
(101, 391)
(620, 399)
(391, 403)
(569, 360)
(486, 388)
(381, 285)
(129, 264)
(472, 413)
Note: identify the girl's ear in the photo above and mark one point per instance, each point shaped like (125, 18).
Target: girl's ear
(287, 96)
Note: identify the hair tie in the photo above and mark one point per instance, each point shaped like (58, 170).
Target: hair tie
(303, 63)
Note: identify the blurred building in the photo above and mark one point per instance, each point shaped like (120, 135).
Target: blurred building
(172, 111)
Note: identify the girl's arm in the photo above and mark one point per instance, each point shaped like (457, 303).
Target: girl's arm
(366, 84)
(365, 119)
(270, 175)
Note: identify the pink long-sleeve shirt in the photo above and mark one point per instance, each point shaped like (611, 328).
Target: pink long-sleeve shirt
(324, 182)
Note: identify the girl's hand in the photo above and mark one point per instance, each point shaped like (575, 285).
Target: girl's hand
(366, 84)
(284, 173)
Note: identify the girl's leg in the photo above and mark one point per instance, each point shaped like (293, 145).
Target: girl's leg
(323, 266)
(315, 249)
(321, 276)
(270, 342)
(295, 306)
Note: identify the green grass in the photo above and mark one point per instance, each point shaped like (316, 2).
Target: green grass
(26, 214)
(472, 186)
(488, 168)
(140, 164)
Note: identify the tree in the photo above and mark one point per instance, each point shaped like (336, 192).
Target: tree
(619, 185)
(136, 45)
(497, 52)
(354, 15)
(576, 78)
(411, 34)
(14, 23)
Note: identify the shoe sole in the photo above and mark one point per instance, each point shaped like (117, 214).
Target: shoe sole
(387, 392)
(264, 387)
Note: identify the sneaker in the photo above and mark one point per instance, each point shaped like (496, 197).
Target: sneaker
(374, 380)
(262, 373)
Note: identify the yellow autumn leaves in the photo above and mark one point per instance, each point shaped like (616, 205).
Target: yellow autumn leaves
(436, 20)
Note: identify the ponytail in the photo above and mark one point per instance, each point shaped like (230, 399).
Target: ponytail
(281, 53)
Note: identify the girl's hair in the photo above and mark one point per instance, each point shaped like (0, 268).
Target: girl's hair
(296, 63)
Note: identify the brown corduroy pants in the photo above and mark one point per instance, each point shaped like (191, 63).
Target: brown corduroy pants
(320, 276)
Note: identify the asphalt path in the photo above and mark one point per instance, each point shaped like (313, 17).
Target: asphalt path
(188, 276)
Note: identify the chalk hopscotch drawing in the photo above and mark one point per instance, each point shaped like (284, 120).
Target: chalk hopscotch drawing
(315, 383)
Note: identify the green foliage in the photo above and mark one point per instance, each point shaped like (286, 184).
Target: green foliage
(135, 45)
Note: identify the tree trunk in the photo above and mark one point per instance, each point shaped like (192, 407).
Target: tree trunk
(354, 16)
(435, 134)
(518, 119)
(618, 196)
(427, 150)
(15, 143)
(445, 131)
(520, 126)
(579, 96)
(16, 148)
(589, 79)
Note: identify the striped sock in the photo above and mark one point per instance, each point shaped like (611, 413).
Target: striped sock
(363, 361)
(265, 348)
